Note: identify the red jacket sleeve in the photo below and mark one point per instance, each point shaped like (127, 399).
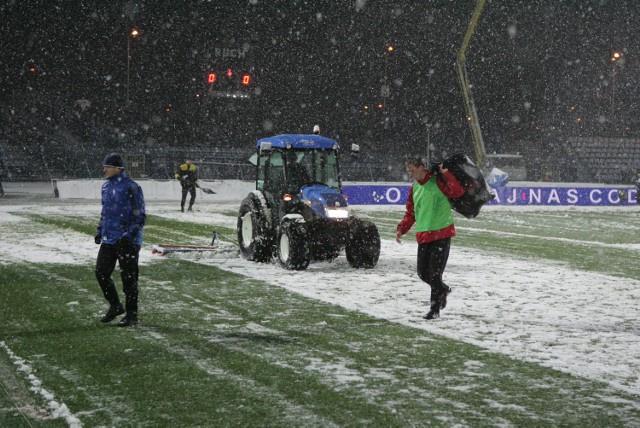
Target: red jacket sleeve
(449, 185)
(409, 216)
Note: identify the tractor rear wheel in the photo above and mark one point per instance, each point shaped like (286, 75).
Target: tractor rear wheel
(254, 236)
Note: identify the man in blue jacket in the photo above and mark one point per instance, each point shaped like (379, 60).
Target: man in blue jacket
(120, 237)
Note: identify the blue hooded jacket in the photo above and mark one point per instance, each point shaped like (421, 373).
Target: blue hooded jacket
(123, 211)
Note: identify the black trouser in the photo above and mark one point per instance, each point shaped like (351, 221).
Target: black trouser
(128, 261)
(188, 189)
(432, 259)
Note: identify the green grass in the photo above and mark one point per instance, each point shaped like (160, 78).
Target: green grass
(218, 349)
(157, 229)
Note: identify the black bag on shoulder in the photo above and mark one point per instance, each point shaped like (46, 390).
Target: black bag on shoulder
(477, 192)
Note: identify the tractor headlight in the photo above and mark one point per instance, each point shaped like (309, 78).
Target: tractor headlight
(337, 213)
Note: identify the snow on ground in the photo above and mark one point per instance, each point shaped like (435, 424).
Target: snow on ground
(541, 312)
(538, 312)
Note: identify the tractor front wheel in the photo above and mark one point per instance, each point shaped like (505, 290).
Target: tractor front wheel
(363, 245)
(254, 236)
(293, 245)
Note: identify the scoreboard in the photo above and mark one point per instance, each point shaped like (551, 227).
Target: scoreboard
(229, 83)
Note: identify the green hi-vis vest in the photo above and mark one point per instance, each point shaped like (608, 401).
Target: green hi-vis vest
(431, 207)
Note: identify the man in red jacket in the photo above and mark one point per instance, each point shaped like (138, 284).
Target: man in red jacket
(429, 209)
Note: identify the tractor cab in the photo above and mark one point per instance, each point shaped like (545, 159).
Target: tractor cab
(300, 173)
(290, 161)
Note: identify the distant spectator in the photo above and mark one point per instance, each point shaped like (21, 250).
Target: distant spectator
(187, 174)
(629, 176)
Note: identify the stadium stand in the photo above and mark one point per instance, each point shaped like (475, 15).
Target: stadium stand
(606, 160)
(55, 159)
(36, 156)
(44, 138)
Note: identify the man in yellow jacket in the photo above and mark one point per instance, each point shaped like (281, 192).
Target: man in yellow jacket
(187, 174)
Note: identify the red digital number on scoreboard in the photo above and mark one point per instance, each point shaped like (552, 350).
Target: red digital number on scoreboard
(229, 76)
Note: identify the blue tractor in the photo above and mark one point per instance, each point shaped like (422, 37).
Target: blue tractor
(298, 212)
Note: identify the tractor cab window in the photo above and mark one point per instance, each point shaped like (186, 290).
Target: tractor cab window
(260, 161)
(274, 180)
(270, 172)
(299, 169)
(312, 166)
(328, 167)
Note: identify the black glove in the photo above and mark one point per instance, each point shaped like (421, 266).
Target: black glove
(98, 239)
(124, 243)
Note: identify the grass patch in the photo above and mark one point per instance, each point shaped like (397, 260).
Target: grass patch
(215, 348)
(157, 230)
(218, 349)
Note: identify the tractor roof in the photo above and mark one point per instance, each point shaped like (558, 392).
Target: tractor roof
(300, 141)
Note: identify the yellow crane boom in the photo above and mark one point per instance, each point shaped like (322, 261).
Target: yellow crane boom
(463, 79)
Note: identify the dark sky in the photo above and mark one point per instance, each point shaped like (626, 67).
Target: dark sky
(535, 65)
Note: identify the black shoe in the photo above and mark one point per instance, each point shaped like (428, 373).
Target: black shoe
(443, 297)
(190, 209)
(128, 321)
(112, 313)
(182, 209)
(432, 314)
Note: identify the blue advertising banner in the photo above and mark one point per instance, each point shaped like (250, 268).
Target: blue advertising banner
(376, 194)
(543, 196)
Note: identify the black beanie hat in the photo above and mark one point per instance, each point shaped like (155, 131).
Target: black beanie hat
(114, 160)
